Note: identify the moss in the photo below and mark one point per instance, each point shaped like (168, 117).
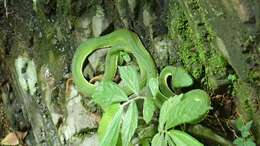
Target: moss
(180, 29)
(196, 50)
(244, 94)
(251, 51)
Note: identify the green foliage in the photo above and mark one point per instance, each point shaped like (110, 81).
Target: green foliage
(108, 93)
(181, 78)
(246, 139)
(244, 142)
(185, 108)
(154, 86)
(106, 119)
(130, 77)
(183, 139)
(232, 77)
(148, 109)
(112, 131)
(129, 123)
(166, 109)
(190, 107)
(120, 116)
(159, 140)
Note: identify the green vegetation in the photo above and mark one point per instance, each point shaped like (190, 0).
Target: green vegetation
(121, 112)
(196, 46)
(141, 90)
(246, 139)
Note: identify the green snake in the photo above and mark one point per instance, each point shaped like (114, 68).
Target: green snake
(117, 41)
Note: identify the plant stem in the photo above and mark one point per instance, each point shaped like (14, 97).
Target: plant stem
(205, 132)
(133, 99)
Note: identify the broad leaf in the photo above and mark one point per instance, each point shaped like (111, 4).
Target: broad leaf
(192, 108)
(167, 109)
(181, 138)
(130, 77)
(106, 119)
(112, 131)
(181, 78)
(169, 140)
(148, 109)
(129, 123)
(154, 86)
(159, 140)
(108, 93)
(164, 114)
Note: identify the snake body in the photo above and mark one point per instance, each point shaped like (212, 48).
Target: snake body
(119, 40)
(127, 41)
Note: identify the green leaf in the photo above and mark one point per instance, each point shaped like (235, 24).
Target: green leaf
(129, 124)
(249, 142)
(159, 140)
(108, 93)
(169, 140)
(166, 110)
(148, 109)
(106, 119)
(239, 123)
(112, 131)
(181, 78)
(191, 108)
(145, 142)
(181, 138)
(163, 114)
(130, 77)
(239, 141)
(154, 86)
(245, 130)
(232, 77)
(244, 142)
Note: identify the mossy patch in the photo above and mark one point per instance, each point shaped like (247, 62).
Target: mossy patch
(195, 48)
(245, 95)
